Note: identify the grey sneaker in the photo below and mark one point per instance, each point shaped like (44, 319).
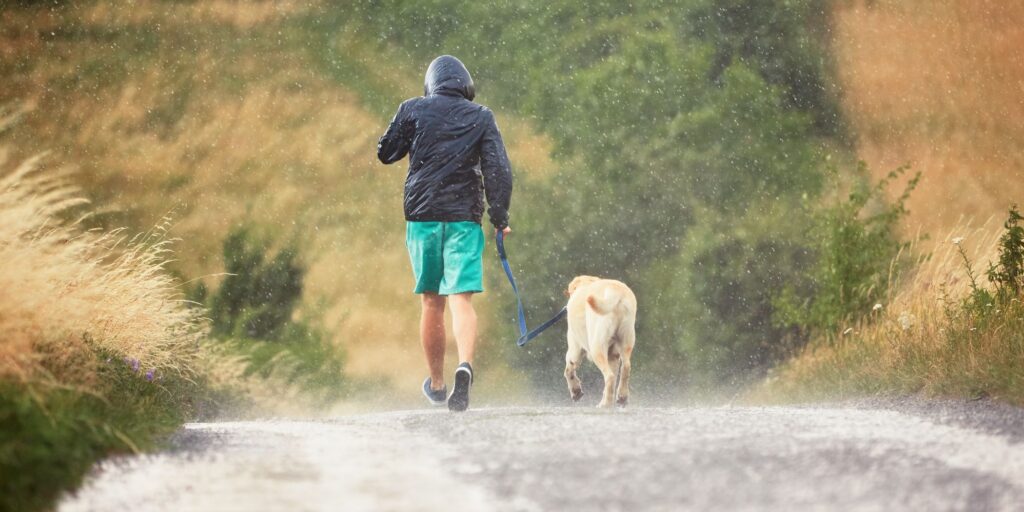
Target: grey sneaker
(435, 397)
(459, 400)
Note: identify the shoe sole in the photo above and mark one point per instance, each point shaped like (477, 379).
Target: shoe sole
(435, 403)
(459, 401)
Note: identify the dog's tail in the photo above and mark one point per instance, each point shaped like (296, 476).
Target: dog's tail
(606, 304)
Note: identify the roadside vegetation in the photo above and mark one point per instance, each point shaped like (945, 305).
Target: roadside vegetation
(955, 328)
(99, 352)
(253, 314)
(947, 327)
(103, 353)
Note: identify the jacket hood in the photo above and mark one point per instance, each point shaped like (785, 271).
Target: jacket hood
(447, 75)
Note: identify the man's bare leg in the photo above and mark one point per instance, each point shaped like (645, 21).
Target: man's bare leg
(464, 324)
(433, 338)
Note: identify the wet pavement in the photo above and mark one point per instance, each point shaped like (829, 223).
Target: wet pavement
(854, 457)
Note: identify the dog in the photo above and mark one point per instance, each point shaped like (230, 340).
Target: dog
(601, 317)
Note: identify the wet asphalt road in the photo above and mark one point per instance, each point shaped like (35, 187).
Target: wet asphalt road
(870, 456)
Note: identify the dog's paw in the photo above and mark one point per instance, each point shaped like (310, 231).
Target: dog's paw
(622, 401)
(576, 395)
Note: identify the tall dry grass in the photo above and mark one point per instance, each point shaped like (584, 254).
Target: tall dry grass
(924, 339)
(67, 294)
(939, 85)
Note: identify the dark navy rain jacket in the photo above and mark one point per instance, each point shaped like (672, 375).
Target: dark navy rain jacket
(456, 154)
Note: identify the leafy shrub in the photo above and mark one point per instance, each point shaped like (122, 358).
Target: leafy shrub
(257, 297)
(854, 244)
(254, 311)
(1008, 274)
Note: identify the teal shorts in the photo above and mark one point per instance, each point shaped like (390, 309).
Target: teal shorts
(447, 257)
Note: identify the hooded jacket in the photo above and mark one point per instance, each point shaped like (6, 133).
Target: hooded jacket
(456, 154)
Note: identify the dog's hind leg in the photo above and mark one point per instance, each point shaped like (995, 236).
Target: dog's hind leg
(573, 358)
(623, 394)
(615, 361)
(628, 336)
(603, 364)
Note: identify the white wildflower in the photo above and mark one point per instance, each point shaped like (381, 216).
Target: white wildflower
(906, 321)
(958, 240)
(877, 307)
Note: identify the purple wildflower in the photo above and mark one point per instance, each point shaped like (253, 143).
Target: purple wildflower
(134, 364)
(149, 375)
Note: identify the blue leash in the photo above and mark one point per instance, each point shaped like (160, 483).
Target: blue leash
(524, 335)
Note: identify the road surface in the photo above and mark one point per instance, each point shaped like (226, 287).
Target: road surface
(918, 456)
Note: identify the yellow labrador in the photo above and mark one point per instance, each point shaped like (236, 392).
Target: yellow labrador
(601, 316)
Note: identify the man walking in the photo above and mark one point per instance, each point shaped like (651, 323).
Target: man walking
(456, 158)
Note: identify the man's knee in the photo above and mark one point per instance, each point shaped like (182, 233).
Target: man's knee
(462, 308)
(462, 299)
(433, 301)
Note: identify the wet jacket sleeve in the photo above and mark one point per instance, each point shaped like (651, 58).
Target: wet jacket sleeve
(395, 143)
(497, 172)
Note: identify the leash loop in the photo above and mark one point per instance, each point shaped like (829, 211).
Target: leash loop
(525, 335)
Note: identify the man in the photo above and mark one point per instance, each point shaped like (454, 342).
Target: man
(456, 157)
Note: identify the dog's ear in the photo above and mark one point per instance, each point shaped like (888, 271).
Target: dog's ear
(577, 282)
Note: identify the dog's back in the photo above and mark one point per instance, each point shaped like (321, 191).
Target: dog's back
(608, 296)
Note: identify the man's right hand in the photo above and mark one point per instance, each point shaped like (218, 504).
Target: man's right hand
(506, 231)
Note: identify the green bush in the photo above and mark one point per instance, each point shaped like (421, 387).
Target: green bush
(854, 244)
(253, 311)
(258, 296)
(1008, 273)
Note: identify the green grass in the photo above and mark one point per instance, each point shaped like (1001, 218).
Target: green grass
(53, 434)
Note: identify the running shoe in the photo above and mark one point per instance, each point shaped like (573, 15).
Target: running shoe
(435, 397)
(459, 400)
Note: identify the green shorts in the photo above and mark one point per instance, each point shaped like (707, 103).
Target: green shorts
(447, 257)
